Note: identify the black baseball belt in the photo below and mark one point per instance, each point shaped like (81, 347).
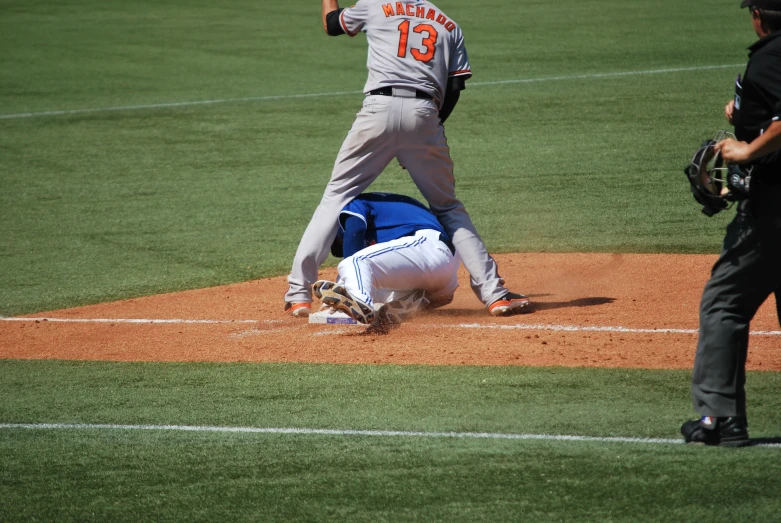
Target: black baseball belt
(401, 91)
(444, 239)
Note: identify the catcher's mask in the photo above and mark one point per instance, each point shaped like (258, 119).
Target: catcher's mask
(707, 174)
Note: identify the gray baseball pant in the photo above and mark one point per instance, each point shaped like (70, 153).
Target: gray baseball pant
(746, 273)
(407, 128)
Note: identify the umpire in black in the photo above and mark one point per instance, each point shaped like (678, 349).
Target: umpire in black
(749, 268)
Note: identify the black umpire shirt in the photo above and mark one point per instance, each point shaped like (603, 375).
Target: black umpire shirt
(758, 102)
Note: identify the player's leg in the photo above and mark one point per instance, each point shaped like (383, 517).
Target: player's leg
(366, 151)
(396, 273)
(438, 293)
(416, 262)
(353, 292)
(383, 266)
(393, 270)
(444, 294)
(426, 155)
(433, 271)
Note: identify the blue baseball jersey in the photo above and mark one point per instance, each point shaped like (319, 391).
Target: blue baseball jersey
(380, 217)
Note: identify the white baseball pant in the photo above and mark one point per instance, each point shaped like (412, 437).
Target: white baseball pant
(392, 270)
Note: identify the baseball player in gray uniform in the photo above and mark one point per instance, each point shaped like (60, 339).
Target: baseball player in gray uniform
(418, 66)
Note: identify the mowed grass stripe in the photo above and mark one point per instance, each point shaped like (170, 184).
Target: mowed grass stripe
(594, 76)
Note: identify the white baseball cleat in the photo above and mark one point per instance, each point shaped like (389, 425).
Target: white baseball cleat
(336, 296)
(405, 308)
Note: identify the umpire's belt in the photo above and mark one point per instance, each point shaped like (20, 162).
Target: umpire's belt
(402, 92)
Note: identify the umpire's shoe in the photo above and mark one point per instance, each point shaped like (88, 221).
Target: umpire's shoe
(336, 296)
(724, 432)
(510, 304)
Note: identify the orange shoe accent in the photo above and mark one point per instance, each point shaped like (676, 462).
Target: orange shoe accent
(299, 310)
(509, 305)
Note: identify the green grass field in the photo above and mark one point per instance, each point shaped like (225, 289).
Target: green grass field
(148, 147)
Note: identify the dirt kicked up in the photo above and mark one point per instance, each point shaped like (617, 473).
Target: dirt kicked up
(593, 310)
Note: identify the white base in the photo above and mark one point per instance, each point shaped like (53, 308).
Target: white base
(331, 317)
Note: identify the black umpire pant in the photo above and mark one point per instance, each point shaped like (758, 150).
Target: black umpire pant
(746, 273)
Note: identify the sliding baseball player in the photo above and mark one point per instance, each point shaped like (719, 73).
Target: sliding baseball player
(393, 248)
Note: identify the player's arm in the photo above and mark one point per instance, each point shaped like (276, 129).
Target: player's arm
(331, 13)
(455, 84)
(354, 234)
(458, 73)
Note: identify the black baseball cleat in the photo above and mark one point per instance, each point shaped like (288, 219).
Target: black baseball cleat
(724, 432)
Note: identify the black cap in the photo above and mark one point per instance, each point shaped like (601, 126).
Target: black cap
(772, 5)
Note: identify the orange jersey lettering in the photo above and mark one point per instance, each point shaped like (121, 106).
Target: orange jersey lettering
(412, 11)
(411, 44)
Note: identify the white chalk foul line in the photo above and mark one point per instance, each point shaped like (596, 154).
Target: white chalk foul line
(593, 76)
(129, 320)
(592, 328)
(329, 432)
(348, 432)
(596, 76)
(173, 105)
(479, 326)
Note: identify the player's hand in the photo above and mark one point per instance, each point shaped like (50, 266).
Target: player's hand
(729, 109)
(733, 151)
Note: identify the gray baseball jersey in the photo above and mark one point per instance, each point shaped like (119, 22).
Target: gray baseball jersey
(413, 49)
(411, 44)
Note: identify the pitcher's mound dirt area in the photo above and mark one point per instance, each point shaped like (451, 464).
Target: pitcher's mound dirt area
(630, 310)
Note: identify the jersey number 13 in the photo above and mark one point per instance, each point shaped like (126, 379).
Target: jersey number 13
(429, 42)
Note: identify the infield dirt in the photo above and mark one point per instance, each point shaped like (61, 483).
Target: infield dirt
(597, 310)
